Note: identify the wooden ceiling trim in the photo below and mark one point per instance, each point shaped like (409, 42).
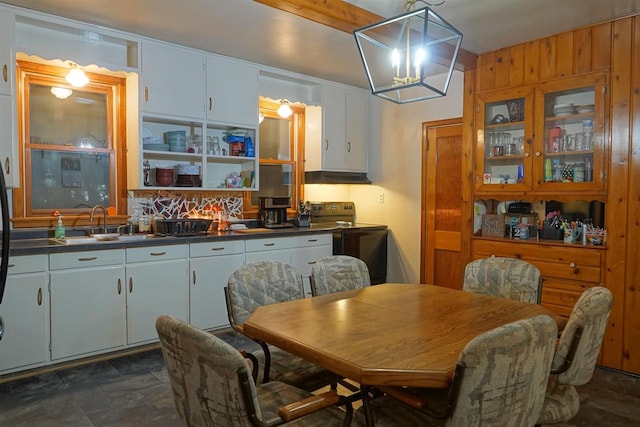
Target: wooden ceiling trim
(346, 17)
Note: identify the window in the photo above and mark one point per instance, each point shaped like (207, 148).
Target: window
(281, 156)
(70, 147)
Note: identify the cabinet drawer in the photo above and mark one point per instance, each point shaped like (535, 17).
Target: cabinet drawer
(86, 259)
(561, 296)
(27, 264)
(260, 245)
(313, 240)
(531, 252)
(216, 248)
(157, 253)
(581, 264)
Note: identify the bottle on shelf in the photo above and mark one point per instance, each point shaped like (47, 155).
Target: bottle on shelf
(587, 129)
(548, 170)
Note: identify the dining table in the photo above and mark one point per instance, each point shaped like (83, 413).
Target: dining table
(392, 334)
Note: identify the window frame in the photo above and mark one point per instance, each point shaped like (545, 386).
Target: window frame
(268, 108)
(114, 88)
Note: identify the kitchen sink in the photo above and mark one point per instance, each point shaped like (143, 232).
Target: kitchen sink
(102, 238)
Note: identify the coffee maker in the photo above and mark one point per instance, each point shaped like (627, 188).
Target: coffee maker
(273, 212)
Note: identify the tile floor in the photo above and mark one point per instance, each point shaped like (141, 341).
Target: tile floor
(134, 391)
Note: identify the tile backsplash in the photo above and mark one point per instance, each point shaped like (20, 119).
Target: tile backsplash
(177, 205)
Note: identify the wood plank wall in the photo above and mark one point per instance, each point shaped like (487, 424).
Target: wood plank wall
(612, 47)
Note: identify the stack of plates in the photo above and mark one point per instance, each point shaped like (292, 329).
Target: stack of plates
(563, 109)
(154, 143)
(585, 109)
(188, 181)
(177, 140)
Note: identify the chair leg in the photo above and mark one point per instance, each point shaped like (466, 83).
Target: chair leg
(267, 361)
(365, 405)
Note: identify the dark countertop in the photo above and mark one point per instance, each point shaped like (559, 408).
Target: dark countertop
(33, 246)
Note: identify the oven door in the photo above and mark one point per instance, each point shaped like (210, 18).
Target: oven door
(368, 244)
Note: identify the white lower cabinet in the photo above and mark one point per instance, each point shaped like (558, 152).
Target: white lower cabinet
(87, 302)
(275, 249)
(156, 283)
(308, 249)
(211, 264)
(24, 312)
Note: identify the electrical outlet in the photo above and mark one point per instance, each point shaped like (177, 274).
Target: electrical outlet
(381, 198)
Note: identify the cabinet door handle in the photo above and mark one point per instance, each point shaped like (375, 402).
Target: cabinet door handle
(11, 265)
(312, 240)
(5, 73)
(311, 262)
(119, 286)
(538, 154)
(269, 244)
(194, 277)
(7, 166)
(219, 248)
(157, 253)
(326, 144)
(526, 154)
(146, 94)
(39, 296)
(572, 265)
(210, 103)
(91, 258)
(348, 147)
(130, 284)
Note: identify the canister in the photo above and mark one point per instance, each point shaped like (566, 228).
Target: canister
(554, 132)
(578, 172)
(524, 231)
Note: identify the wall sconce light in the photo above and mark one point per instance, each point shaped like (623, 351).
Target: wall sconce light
(284, 110)
(76, 76)
(410, 57)
(61, 92)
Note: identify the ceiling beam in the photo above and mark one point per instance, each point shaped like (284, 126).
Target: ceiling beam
(346, 17)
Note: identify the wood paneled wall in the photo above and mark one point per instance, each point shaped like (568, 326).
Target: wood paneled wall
(563, 55)
(612, 47)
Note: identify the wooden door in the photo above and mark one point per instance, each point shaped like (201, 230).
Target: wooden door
(442, 204)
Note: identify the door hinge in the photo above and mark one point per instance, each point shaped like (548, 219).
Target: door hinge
(605, 89)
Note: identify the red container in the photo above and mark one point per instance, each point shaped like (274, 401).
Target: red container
(554, 132)
(236, 148)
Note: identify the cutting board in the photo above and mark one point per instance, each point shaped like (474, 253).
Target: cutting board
(253, 230)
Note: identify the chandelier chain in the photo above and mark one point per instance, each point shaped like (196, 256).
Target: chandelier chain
(411, 3)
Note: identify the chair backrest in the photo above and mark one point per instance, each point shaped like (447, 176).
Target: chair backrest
(261, 283)
(504, 277)
(338, 273)
(205, 373)
(505, 374)
(589, 316)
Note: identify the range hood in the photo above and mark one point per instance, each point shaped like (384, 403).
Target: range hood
(329, 177)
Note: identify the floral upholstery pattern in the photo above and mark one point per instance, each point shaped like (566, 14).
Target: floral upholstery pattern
(338, 273)
(204, 375)
(503, 384)
(270, 282)
(591, 313)
(503, 277)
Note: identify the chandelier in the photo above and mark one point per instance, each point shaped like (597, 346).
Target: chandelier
(409, 57)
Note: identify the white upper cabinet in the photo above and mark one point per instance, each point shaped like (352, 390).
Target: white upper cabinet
(6, 44)
(336, 132)
(232, 92)
(172, 81)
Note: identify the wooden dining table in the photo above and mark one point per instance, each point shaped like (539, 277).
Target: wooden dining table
(386, 335)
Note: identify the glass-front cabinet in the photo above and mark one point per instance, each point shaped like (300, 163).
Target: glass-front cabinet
(571, 148)
(504, 138)
(544, 140)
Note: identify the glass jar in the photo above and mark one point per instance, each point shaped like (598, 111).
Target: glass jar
(587, 129)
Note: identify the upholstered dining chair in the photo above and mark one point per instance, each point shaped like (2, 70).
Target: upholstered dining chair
(269, 282)
(212, 386)
(338, 273)
(504, 277)
(500, 380)
(576, 355)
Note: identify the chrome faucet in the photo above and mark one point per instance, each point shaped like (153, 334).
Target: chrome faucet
(104, 217)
